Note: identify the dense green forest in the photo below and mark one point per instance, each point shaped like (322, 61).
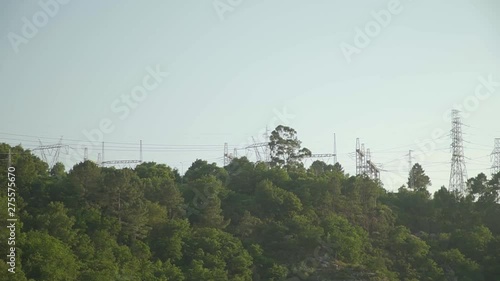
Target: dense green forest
(245, 221)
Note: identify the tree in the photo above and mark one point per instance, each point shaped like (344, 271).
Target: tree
(241, 175)
(274, 202)
(83, 185)
(201, 168)
(121, 196)
(285, 147)
(472, 242)
(112, 261)
(204, 204)
(418, 180)
(47, 258)
(58, 171)
(213, 254)
(56, 222)
(160, 186)
(247, 225)
(319, 168)
(166, 240)
(485, 191)
(458, 265)
(343, 240)
(245, 221)
(410, 257)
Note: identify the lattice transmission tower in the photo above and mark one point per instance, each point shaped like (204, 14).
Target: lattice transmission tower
(458, 174)
(52, 150)
(130, 163)
(495, 157)
(411, 180)
(228, 157)
(364, 164)
(335, 161)
(325, 155)
(372, 170)
(360, 158)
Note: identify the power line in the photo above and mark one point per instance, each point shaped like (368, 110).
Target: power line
(114, 143)
(31, 141)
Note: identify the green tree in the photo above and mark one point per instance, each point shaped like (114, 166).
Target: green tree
(285, 147)
(457, 266)
(241, 176)
(83, 186)
(410, 257)
(216, 255)
(417, 179)
(121, 196)
(472, 242)
(201, 168)
(160, 186)
(57, 223)
(204, 204)
(47, 258)
(274, 202)
(319, 168)
(58, 171)
(343, 240)
(245, 221)
(166, 240)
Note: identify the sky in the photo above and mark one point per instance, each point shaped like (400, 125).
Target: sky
(187, 76)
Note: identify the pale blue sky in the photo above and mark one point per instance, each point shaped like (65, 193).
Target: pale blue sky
(227, 78)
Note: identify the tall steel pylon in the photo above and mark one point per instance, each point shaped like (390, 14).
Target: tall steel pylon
(335, 161)
(411, 182)
(262, 149)
(256, 148)
(495, 157)
(53, 150)
(364, 163)
(371, 169)
(129, 163)
(226, 156)
(318, 156)
(458, 174)
(85, 154)
(267, 149)
(360, 158)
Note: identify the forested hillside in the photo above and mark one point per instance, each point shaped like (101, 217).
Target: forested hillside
(246, 221)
